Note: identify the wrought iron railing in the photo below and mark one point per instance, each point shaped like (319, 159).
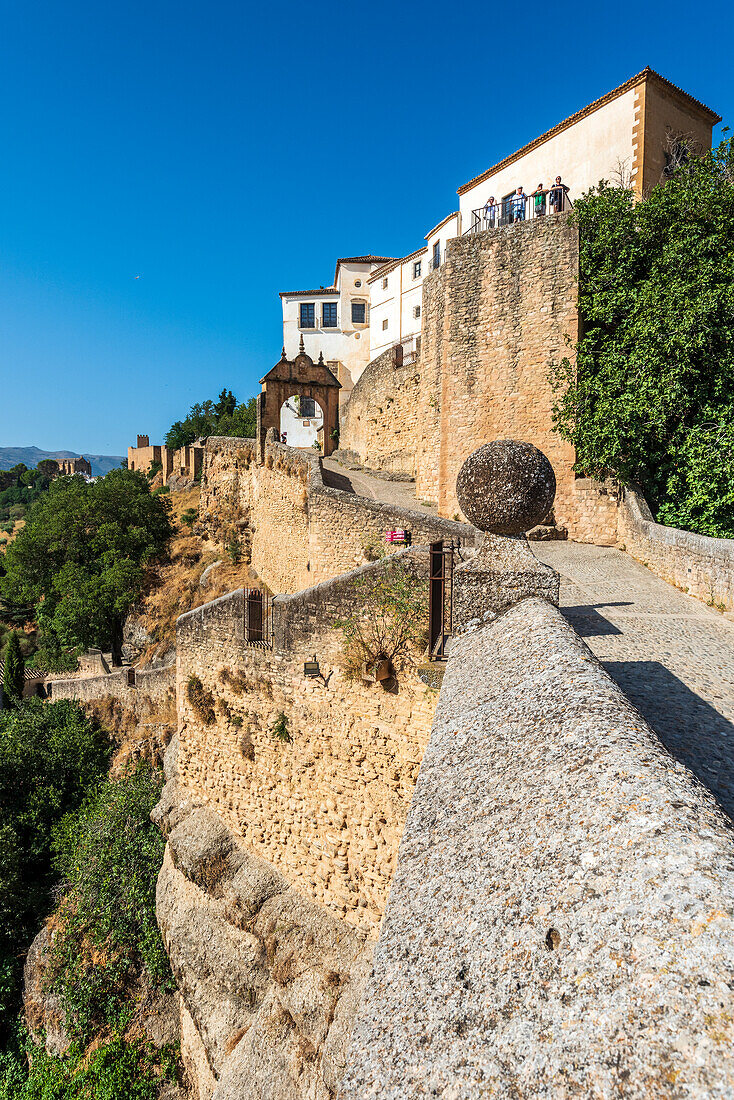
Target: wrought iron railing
(519, 208)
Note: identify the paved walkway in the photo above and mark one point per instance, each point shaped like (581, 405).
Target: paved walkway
(670, 654)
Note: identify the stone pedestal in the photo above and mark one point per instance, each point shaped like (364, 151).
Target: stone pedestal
(503, 571)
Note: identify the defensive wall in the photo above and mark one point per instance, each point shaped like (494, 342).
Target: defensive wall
(302, 531)
(184, 463)
(498, 315)
(561, 920)
(146, 690)
(325, 806)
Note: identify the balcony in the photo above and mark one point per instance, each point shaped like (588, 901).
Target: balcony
(524, 208)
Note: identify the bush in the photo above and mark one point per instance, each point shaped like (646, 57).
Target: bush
(391, 621)
(116, 1070)
(201, 700)
(280, 729)
(108, 854)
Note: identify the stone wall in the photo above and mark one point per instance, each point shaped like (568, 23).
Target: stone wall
(380, 422)
(152, 688)
(326, 808)
(561, 921)
(702, 566)
(497, 316)
(302, 531)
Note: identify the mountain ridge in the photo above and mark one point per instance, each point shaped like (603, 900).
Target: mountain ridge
(31, 456)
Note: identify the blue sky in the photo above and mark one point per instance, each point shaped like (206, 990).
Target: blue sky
(224, 151)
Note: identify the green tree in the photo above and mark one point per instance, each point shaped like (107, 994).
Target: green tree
(651, 399)
(14, 672)
(82, 558)
(223, 417)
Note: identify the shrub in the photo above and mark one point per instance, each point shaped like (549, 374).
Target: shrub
(390, 621)
(280, 729)
(201, 700)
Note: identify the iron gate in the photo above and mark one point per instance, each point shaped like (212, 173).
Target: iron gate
(440, 591)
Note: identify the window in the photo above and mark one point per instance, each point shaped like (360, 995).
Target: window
(328, 313)
(359, 310)
(437, 254)
(307, 409)
(417, 269)
(416, 311)
(384, 324)
(357, 282)
(384, 283)
(308, 315)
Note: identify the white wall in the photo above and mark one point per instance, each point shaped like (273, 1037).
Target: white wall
(395, 304)
(348, 344)
(446, 231)
(583, 154)
(301, 431)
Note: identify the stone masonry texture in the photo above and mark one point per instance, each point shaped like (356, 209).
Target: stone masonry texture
(327, 808)
(561, 921)
(302, 530)
(498, 315)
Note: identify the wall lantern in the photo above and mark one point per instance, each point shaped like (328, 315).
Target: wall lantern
(311, 668)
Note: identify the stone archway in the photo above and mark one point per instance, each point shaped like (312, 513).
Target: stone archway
(304, 378)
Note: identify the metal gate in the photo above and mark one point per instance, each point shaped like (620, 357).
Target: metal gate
(258, 619)
(440, 591)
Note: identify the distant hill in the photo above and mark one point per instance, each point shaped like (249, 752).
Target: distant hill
(31, 456)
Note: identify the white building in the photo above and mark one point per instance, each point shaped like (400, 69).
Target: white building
(375, 303)
(334, 320)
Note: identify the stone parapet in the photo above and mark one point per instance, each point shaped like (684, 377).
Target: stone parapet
(561, 920)
(126, 684)
(701, 566)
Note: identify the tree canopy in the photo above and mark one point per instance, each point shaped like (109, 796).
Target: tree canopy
(221, 417)
(81, 560)
(651, 399)
(13, 672)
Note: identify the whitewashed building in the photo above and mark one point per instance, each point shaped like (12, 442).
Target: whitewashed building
(632, 134)
(334, 320)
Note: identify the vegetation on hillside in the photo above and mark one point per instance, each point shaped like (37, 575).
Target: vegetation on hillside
(19, 489)
(651, 400)
(51, 757)
(83, 559)
(66, 827)
(221, 417)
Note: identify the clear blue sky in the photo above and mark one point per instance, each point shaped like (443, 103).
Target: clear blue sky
(224, 151)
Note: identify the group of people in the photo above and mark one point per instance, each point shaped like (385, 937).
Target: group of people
(515, 206)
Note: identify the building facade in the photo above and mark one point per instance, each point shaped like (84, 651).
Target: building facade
(334, 321)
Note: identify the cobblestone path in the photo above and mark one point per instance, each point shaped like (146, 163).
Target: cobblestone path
(670, 654)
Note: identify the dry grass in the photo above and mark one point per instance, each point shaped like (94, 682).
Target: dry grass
(176, 586)
(7, 537)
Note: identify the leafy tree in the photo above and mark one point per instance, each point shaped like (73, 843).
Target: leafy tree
(651, 399)
(81, 560)
(390, 622)
(221, 417)
(14, 672)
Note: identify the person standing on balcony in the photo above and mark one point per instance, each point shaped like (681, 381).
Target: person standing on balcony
(558, 194)
(490, 213)
(518, 206)
(538, 197)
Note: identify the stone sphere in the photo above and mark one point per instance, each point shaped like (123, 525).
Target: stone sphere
(506, 487)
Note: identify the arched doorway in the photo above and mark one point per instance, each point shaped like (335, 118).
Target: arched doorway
(302, 378)
(302, 422)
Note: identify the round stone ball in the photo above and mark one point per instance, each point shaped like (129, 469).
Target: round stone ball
(506, 487)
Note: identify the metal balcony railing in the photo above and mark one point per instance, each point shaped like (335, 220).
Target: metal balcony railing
(519, 208)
